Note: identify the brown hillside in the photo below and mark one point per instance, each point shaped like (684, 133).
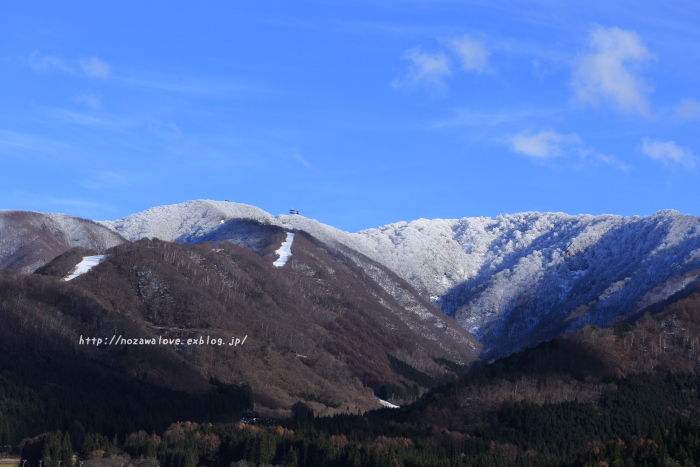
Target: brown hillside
(317, 327)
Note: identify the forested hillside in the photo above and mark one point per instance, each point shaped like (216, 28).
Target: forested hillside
(317, 332)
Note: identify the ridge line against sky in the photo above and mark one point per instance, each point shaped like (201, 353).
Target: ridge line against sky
(356, 114)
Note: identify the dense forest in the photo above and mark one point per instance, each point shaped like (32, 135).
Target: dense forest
(642, 420)
(559, 404)
(39, 394)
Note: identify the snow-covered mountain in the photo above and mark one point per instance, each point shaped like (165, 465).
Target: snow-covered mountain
(184, 222)
(29, 240)
(513, 280)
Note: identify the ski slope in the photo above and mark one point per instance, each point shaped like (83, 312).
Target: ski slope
(284, 251)
(84, 266)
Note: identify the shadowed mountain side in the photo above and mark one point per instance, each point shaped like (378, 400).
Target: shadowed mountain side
(29, 240)
(437, 334)
(579, 368)
(46, 315)
(606, 273)
(437, 331)
(316, 326)
(382, 298)
(248, 233)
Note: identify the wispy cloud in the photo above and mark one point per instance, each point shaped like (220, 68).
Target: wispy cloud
(13, 143)
(609, 71)
(74, 117)
(89, 99)
(106, 179)
(430, 69)
(300, 159)
(92, 66)
(549, 144)
(84, 119)
(95, 67)
(47, 63)
(668, 152)
(168, 131)
(688, 109)
(587, 152)
(80, 203)
(542, 145)
(426, 69)
(470, 118)
(472, 53)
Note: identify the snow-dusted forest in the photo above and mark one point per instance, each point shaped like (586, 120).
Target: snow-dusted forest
(513, 280)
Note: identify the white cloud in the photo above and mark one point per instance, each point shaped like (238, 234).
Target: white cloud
(300, 159)
(668, 152)
(74, 117)
(91, 100)
(609, 71)
(472, 53)
(688, 109)
(550, 144)
(168, 131)
(542, 145)
(91, 66)
(47, 63)
(425, 68)
(95, 67)
(612, 161)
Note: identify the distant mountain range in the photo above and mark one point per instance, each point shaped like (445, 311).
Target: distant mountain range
(512, 281)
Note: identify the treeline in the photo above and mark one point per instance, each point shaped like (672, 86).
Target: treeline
(644, 420)
(49, 449)
(677, 446)
(563, 429)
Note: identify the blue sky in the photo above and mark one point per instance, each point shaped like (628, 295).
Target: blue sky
(354, 113)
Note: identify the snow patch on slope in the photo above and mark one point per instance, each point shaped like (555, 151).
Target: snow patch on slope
(84, 266)
(284, 251)
(387, 404)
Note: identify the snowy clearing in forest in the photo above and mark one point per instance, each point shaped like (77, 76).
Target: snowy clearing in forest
(284, 251)
(386, 404)
(84, 266)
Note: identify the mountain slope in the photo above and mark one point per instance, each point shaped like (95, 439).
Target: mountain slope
(29, 240)
(520, 279)
(318, 326)
(514, 280)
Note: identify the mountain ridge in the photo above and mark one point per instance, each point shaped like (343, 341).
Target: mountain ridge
(513, 280)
